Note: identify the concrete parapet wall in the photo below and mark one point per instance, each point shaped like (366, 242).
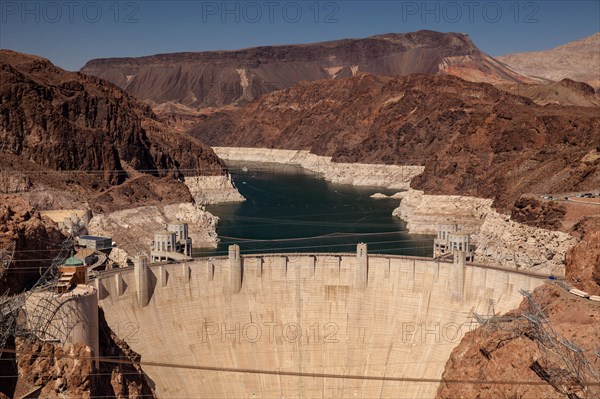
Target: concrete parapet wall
(305, 313)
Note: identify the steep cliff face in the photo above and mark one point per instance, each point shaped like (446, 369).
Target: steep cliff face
(516, 351)
(504, 242)
(536, 213)
(58, 373)
(472, 139)
(499, 240)
(35, 240)
(357, 174)
(53, 121)
(199, 80)
(583, 260)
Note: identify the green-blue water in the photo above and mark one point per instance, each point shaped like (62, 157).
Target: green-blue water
(289, 209)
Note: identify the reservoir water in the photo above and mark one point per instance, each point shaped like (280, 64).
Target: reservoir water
(290, 209)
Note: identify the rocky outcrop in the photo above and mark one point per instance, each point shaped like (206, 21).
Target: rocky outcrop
(49, 370)
(566, 92)
(504, 242)
(583, 260)
(212, 79)
(78, 134)
(472, 138)
(521, 355)
(133, 229)
(11, 183)
(213, 189)
(57, 372)
(499, 240)
(358, 174)
(424, 213)
(533, 212)
(518, 350)
(397, 195)
(33, 242)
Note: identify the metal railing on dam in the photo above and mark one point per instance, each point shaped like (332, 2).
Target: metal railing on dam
(304, 314)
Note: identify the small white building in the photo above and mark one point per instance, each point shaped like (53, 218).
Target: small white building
(450, 240)
(183, 241)
(172, 244)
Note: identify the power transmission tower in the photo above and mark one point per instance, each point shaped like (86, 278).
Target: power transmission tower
(34, 323)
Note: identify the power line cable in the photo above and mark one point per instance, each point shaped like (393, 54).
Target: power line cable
(288, 373)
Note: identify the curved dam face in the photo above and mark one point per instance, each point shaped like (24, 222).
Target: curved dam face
(315, 324)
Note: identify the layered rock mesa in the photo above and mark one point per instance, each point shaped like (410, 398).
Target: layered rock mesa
(472, 139)
(182, 82)
(578, 60)
(89, 141)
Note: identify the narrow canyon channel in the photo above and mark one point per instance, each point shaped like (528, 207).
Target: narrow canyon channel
(290, 209)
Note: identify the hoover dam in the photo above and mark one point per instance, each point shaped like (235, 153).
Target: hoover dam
(327, 325)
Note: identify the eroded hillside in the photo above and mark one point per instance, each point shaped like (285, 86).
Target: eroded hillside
(472, 138)
(83, 139)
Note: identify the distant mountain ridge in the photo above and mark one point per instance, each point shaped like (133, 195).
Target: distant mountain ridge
(578, 60)
(192, 81)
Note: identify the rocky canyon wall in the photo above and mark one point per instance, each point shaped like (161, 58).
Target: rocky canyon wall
(424, 213)
(500, 241)
(213, 189)
(133, 229)
(358, 174)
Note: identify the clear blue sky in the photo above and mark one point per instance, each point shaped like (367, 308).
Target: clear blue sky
(71, 32)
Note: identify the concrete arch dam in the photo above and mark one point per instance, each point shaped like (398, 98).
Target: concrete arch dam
(301, 314)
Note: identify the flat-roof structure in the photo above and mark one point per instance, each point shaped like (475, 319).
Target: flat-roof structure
(172, 243)
(95, 242)
(94, 238)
